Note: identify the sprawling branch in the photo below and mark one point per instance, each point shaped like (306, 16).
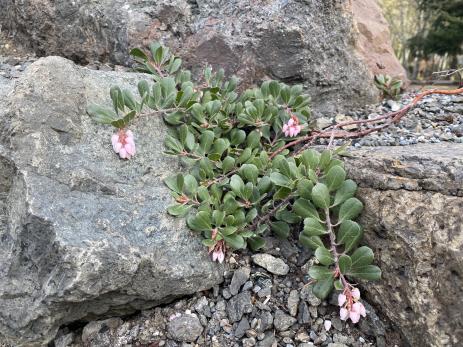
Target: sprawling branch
(384, 121)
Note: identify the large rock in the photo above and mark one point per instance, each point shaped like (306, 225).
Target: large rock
(374, 42)
(413, 219)
(314, 42)
(85, 234)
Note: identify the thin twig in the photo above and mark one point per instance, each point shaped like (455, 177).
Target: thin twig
(270, 214)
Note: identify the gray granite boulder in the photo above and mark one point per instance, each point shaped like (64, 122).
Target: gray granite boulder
(84, 234)
(313, 42)
(413, 220)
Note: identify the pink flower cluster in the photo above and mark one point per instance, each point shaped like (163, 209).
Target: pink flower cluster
(123, 143)
(292, 128)
(350, 305)
(218, 250)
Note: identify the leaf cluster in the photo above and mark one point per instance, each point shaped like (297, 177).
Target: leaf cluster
(234, 190)
(389, 87)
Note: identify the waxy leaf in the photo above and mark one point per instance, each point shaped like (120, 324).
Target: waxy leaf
(237, 186)
(304, 188)
(190, 184)
(200, 221)
(280, 229)
(368, 272)
(310, 158)
(250, 172)
(312, 242)
(280, 180)
(205, 140)
(320, 272)
(335, 177)
(304, 209)
(235, 241)
(324, 256)
(350, 209)
(346, 191)
(349, 234)
(173, 183)
(101, 114)
(321, 196)
(237, 137)
(228, 164)
(325, 159)
(323, 288)
(178, 210)
(345, 263)
(361, 257)
(256, 242)
(312, 227)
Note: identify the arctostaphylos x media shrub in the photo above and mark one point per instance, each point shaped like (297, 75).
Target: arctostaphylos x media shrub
(237, 187)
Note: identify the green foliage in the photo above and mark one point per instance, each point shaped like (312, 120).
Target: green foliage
(445, 34)
(237, 187)
(389, 87)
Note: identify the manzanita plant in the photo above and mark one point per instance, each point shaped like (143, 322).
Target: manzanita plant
(389, 87)
(242, 182)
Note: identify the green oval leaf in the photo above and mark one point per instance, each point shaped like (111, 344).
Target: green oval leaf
(350, 209)
(324, 256)
(349, 234)
(321, 196)
(346, 191)
(312, 227)
(280, 180)
(361, 257)
(310, 158)
(250, 172)
(312, 242)
(280, 229)
(335, 177)
(323, 288)
(368, 272)
(304, 188)
(200, 222)
(256, 242)
(236, 241)
(305, 209)
(178, 210)
(320, 272)
(237, 186)
(345, 263)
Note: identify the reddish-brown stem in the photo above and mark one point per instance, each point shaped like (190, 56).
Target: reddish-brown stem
(222, 177)
(270, 214)
(333, 131)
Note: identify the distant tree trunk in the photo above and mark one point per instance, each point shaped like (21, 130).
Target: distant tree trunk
(416, 68)
(454, 61)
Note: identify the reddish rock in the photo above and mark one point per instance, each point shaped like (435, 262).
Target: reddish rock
(373, 40)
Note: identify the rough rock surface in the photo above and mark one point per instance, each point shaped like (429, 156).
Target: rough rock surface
(413, 220)
(86, 234)
(304, 41)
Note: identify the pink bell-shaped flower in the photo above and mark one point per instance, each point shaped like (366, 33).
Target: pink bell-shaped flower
(123, 143)
(292, 128)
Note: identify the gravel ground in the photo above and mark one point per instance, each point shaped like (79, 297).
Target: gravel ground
(436, 118)
(264, 301)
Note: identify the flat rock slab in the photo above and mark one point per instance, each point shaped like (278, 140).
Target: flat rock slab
(413, 219)
(270, 263)
(86, 234)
